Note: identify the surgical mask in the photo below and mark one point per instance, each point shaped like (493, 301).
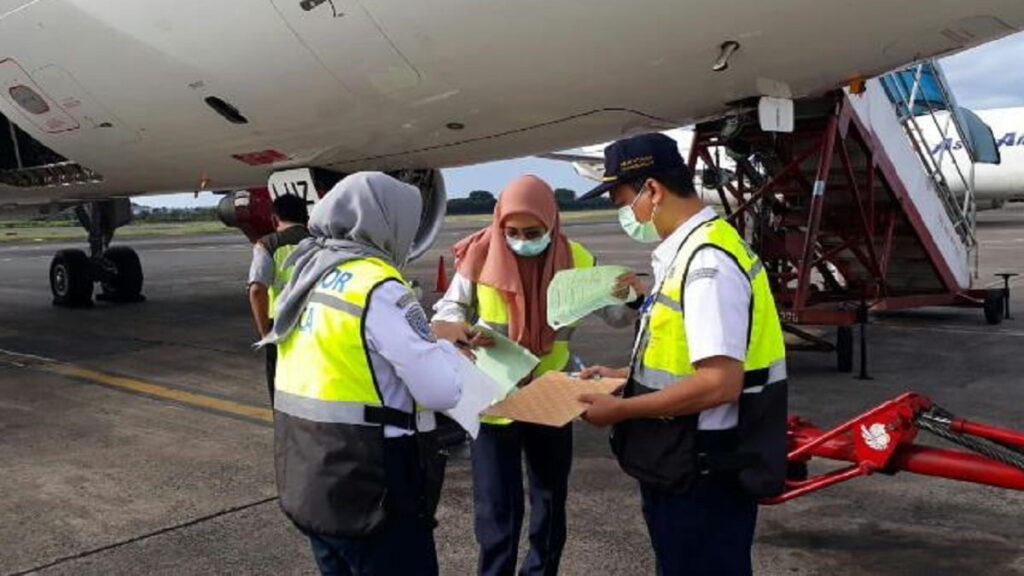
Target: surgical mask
(644, 232)
(529, 247)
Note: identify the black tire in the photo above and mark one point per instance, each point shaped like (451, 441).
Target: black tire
(796, 471)
(71, 279)
(126, 284)
(994, 303)
(844, 349)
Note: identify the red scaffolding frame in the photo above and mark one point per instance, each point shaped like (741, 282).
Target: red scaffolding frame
(827, 212)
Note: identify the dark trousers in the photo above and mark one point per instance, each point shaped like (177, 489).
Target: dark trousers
(705, 531)
(404, 546)
(497, 456)
(271, 369)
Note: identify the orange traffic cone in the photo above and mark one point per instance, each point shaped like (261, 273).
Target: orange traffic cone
(441, 284)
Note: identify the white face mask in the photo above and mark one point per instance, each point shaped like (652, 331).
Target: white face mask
(644, 232)
(529, 248)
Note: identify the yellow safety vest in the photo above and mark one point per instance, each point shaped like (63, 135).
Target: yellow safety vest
(663, 355)
(281, 245)
(328, 411)
(492, 312)
(667, 452)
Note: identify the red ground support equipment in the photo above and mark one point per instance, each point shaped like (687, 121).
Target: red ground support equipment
(882, 440)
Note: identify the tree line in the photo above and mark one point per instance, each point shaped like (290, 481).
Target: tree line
(482, 202)
(478, 202)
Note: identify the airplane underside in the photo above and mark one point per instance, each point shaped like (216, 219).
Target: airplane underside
(156, 98)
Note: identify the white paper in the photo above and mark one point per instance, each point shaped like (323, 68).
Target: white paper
(576, 292)
(479, 391)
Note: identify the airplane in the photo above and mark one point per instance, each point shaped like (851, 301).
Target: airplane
(994, 184)
(103, 100)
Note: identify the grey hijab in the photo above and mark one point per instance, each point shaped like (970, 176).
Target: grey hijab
(367, 214)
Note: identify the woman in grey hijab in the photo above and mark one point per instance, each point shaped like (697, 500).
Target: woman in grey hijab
(358, 372)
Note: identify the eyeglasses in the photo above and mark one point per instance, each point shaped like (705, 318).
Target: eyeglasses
(531, 233)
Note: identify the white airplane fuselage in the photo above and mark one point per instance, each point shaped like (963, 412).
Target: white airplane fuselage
(388, 84)
(994, 184)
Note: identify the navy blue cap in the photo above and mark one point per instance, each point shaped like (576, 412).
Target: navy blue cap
(637, 158)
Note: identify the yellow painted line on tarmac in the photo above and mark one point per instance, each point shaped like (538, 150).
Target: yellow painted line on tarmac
(211, 403)
(164, 392)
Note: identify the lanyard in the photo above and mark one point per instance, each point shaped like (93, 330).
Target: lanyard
(640, 344)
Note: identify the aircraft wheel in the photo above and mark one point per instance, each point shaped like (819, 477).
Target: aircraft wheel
(126, 283)
(71, 279)
(994, 306)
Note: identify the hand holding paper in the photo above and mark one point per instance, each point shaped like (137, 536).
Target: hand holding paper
(498, 368)
(575, 293)
(505, 361)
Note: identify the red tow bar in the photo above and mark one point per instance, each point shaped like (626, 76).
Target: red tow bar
(882, 440)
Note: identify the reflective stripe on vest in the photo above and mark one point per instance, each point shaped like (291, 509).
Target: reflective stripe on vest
(492, 312)
(663, 356)
(324, 372)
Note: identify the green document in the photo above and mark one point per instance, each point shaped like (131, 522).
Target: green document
(575, 293)
(506, 362)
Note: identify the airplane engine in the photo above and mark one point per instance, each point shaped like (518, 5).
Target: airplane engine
(250, 210)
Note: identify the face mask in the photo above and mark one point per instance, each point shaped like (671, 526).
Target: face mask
(529, 247)
(644, 232)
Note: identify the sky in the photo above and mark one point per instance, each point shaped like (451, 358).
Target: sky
(990, 76)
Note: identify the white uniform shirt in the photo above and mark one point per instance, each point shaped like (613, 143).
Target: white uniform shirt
(410, 366)
(716, 301)
(261, 270)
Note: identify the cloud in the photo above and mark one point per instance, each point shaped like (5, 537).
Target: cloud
(989, 76)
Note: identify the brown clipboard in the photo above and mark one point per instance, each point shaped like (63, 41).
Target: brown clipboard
(551, 400)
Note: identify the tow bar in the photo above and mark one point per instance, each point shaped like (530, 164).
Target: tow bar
(882, 440)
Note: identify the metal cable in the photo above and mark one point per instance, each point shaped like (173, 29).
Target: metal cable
(937, 422)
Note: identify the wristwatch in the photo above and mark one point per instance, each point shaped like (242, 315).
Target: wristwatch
(637, 303)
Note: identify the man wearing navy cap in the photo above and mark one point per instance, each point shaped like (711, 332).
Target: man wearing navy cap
(702, 421)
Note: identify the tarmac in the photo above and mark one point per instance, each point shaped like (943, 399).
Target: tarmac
(135, 439)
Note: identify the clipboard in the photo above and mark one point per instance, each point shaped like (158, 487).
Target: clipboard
(551, 400)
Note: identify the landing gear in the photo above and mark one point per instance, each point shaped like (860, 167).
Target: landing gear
(123, 281)
(117, 269)
(71, 279)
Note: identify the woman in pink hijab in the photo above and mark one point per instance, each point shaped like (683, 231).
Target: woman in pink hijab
(501, 282)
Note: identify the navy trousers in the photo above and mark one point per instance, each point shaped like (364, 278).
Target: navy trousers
(271, 369)
(405, 544)
(497, 456)
(706, 531)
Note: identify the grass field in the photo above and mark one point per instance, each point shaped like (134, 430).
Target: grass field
(28, 232)
(22, 231)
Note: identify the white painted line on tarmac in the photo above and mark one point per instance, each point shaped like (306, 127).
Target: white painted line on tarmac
(952, 330)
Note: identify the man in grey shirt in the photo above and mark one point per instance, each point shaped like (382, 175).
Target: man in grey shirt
(268, 274)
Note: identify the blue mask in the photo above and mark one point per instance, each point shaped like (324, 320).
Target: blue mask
(529, 247)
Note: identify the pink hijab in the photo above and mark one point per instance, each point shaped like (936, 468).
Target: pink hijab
(484, 257)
